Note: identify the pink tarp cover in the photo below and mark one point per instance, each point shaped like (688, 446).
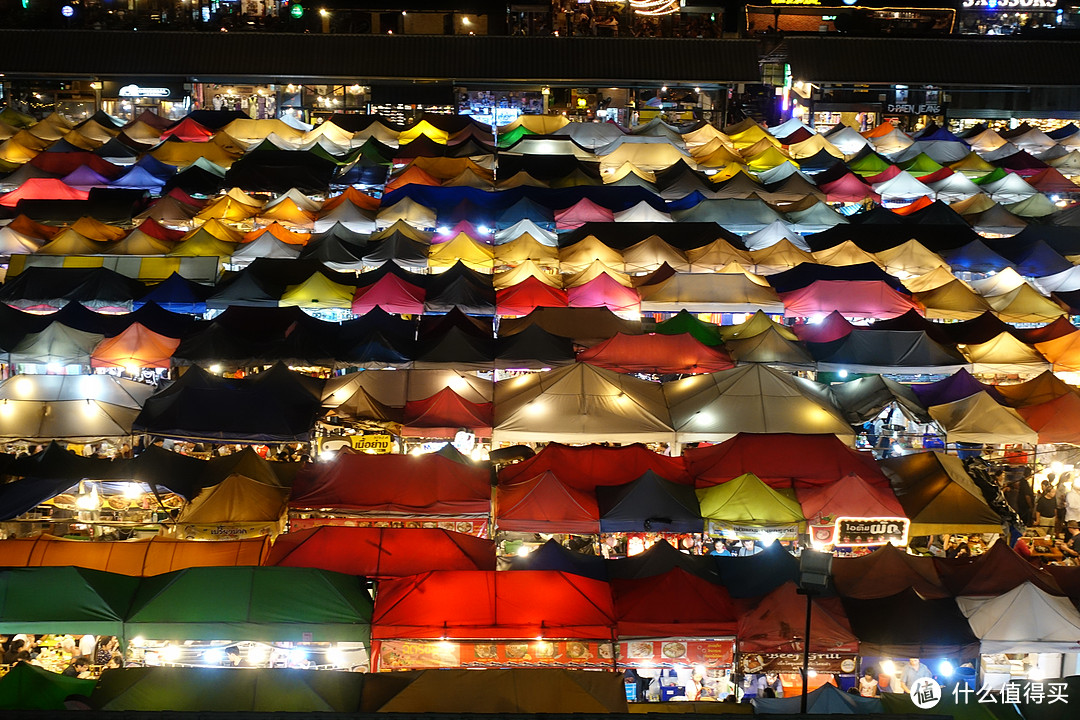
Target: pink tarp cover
(852, 298)
(581, 212)
(604, 291)
(526, 296)
(850, 496)
(392, 294)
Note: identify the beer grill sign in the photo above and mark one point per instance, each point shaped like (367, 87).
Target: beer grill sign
(870, 531)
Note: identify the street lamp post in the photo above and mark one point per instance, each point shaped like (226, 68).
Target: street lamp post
(815, 568)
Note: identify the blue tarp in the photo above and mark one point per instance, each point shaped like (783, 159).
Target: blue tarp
(177, 294)
(826, 700)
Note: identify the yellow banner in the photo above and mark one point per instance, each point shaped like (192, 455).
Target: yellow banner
(225, 531)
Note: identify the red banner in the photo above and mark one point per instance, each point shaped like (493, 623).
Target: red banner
(477, 528)
(424, 654)
(675, 652)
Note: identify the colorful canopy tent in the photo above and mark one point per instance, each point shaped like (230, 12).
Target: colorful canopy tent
(747, 501)
(382, 552)
(133, 557)
(656, 353)
(938, 495)
(752, 398)
(591, 466)
(916, 627)
(553, 556)
(867, 350)
(443, 414)
(825, 700)
(704, 332)
(237, 500)
(782, 460)
(510, 691)
(864, 398)
(543, 504)
(64, 600)
(29, 687)
(276, 405)
(85, 408)
(522, 605)
(850, 496)
(136, 347)
(643, 607)
(580, 402)
(1023, 620)
(424, 486)
(266, 604)
(585, 326)
(1056, 421)
(980, 419)
(255, 690)
(648, 504)
(707, 292)
(886, 572)
(996, 572)
(771, 625)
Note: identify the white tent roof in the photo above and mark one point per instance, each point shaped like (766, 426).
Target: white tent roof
(82, 408)
(771, 234)
(1009, 189)
(1023, 620)
(985, 141)
(847, 140)
(521, 227)
(902, 187)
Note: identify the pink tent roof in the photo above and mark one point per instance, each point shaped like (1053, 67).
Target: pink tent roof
(604, 291)
(546, 504)
(42, 189)
(444, 413)
(833, 327)
(581, 212)
(850, 496)
(189, 131)
(849, 188)
(392, 294)
(852, 298)
(463, 226)
(526, 296)
(655, 353)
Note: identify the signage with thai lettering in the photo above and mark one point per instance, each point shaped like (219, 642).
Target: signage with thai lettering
(870, 531)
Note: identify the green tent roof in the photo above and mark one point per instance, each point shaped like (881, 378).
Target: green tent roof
(227, 690)
(747, 500)
(267, 604)
(29, 687)
(869, 164)
(920, 165)
(64, 600)
(509, 138)
(994, 176)
(706, 333)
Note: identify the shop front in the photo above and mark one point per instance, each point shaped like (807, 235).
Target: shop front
(126, 99)
(678, 668)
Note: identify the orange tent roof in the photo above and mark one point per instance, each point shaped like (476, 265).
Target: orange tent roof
(280, 232)
(354, 196)
(137, 347)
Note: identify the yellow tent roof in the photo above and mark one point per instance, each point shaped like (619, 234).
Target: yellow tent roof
(703, 136)
(972, 165)
(94, 131)
(70, 242)
(747, 500)
(846, 253)
(32, 141)
(651, 253)
(287, 211)
(758, 323)
(83, 142)
(910, 258)
(423, 128)
(717, 254)
(470, 178)
(96, 230)
(716, 154)
(751, 135)
(318, 292)
(445, 168)
(464, 249)
(1004, 354)
(583, 253)
(952, 301)
(13, 151)
(525, 270)
(735, 268)
(629, 168)
(980, 419)
(769, 157)
(142, 132)
(812, 146)
(779, 257)
(594, 270)
(182, 154)
(403, 227)
(525, 247)
(138, 242)
(1024, 305)
(219, 230)
(928, 281)
(236, 499)
(202, 244)
(646, 156)
(977, 203)
(539, 124)
(252, 131)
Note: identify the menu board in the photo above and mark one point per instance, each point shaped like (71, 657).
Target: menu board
(832, 663)
(676, 652)
(474, 527)
(421, 654)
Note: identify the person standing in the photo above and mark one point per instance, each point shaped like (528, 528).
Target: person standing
(1046, 507)
(913, 671)
(868, 684)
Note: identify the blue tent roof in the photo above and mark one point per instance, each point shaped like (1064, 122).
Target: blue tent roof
(525, 209)
(155, 167)
(553, 556)
(826, 700)
(975, 257)
(177, 294)
(139, 178)
(1033, 257)
(759, 574)
(649, 504)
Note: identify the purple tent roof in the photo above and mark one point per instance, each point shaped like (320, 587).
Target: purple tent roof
(956, 387)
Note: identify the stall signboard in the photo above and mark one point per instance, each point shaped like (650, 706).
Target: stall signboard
(1001, 5)
(427, 654)
(831, 663)
(469, 526)
(870, 531)
(148, 89)
(677, 652)
(225, 531)
(382, 444)
(767, 533)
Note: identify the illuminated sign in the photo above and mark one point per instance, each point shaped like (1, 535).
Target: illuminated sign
(796, 2)
(67, 11)
(297, 11)
(913, 109)
(1008, 4)
(870, 531)
(151, 92)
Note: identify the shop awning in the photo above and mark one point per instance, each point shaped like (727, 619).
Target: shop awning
(64, 600)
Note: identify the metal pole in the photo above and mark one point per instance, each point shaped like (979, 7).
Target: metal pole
(806, 652)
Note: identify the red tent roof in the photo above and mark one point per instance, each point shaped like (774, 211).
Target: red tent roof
(849, 188)
(675, 604)
(65, 163)
(782, 460)
(526, 296)
(444, 413)
(919, 203)
(850, 496)
(657, 354)
(42, 189)
(853, 298)
(1049, 181)
(156, 230)
(887, 174)
(604, 291)
(833, 327)
(412, 485)
(392, 294)
(588, 466)
(995, 572)
(545, 504)
(777, 624)
(581, 212)
(519, 605)
(382, 552)
(178, 194)
(189, 131)
(886, 572)
(1056, 421)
